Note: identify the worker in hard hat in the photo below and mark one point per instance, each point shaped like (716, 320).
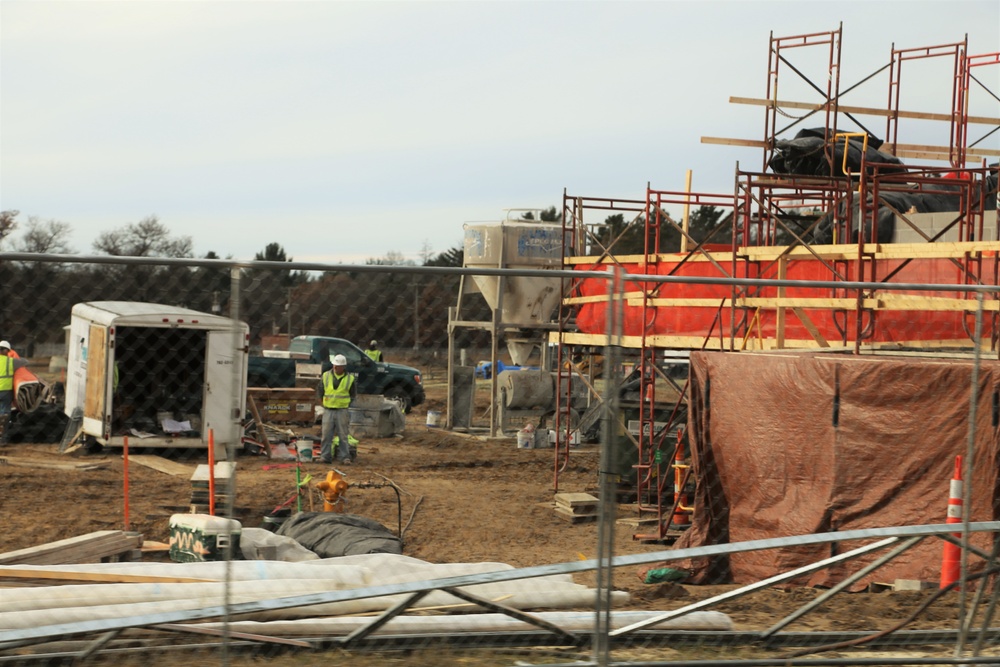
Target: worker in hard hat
(338, 392)
(373, 352)
(9, 362)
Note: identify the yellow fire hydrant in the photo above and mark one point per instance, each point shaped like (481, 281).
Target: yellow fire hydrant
(333, 489)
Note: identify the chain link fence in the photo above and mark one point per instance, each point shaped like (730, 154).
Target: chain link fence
(586, 488)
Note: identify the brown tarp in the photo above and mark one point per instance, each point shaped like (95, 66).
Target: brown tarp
(769, 462)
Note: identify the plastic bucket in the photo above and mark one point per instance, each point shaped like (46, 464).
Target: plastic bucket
(525, 439)
(433, 419)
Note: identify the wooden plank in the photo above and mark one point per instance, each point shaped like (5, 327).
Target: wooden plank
(222, 470)
(575, 499)
(161, 464)
(684, 303)
(569, 515)
(683, 342)
(261, 431)
(99, 577)
(82, 548)
(810, 327)
(872, 111)
(635, 522)
(779, 325)
(52, 465)
(902, 150)
(836, 251)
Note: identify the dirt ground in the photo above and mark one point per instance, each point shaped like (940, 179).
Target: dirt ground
(464, 500)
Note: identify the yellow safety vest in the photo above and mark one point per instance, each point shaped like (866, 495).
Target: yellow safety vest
(374, 355)
(6, 373)
(335, 397)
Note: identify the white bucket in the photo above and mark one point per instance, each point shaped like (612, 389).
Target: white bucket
(525, 439)
(433, 419)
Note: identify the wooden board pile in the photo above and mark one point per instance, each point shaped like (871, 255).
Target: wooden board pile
(89, 548)
(225, 487)
(576, 507)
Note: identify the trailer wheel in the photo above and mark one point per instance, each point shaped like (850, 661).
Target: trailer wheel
(91, 446)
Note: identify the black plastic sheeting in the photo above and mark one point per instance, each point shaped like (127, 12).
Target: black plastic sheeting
(804, 155)
(331, 534)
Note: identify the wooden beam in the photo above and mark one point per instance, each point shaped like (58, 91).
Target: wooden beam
(810, 327)
(98, 577)
(261, 431)
(682, 302)
(779, 326)
(839, 251)
(902, 150)
(872, 111)
(882, 302)
(923, 250)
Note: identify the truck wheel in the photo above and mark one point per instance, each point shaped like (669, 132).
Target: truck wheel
(400, 396)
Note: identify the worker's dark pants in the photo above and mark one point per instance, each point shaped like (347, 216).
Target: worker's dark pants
(335, 423)
(6, 400)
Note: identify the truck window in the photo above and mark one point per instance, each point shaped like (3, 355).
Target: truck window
(352, 353)
(299, 347)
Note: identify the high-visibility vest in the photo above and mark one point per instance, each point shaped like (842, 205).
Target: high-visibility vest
(374, 355)
(6, 373)
(338, 396)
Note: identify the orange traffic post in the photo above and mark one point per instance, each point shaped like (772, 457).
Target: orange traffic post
(951, 557)
(681, 514)
(125, 457)
(211, 472)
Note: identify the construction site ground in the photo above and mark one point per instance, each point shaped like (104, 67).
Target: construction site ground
(464, 499)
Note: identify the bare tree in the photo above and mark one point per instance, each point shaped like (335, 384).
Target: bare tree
(426, 252)
(45, 237)
(146, 238)
(7, 223)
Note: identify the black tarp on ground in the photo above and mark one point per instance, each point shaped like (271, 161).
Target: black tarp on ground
(331, 534)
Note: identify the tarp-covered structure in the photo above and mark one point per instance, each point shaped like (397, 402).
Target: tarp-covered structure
(793, 443)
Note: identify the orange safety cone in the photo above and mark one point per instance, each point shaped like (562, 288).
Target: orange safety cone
(951, 557)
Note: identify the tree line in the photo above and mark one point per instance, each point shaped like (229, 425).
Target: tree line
(399, 309)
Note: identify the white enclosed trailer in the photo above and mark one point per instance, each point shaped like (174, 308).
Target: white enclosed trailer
(163, 375)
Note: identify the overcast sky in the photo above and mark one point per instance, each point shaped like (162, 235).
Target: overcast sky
(345, 130)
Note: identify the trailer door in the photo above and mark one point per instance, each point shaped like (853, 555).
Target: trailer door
(225, 374)
(96, 399)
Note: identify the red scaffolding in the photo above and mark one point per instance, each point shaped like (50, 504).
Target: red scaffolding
(774, 223)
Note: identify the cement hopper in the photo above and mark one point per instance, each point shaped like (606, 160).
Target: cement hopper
(528, 301)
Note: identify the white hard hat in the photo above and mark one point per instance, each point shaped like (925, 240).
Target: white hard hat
(4, 344)
(340, 360)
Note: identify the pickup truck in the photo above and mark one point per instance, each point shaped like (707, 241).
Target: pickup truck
(394, 381)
